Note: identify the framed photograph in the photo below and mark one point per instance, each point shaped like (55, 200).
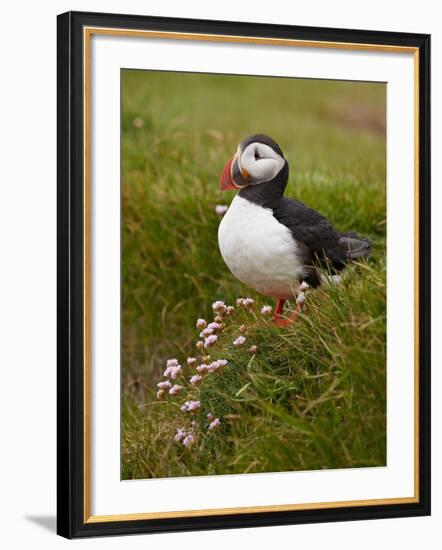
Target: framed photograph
(243, 274)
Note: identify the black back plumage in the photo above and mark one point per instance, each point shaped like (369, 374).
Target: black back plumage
(322, 243)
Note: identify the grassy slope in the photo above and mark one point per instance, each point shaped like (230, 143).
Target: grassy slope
(314, 394)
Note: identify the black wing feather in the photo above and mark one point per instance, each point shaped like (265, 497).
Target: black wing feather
(320, 240)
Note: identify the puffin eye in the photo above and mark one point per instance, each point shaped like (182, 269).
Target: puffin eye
(257, 157)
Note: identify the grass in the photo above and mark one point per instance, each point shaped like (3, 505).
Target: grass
(314, 394)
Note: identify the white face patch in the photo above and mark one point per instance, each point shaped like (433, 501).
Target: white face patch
(261, 162)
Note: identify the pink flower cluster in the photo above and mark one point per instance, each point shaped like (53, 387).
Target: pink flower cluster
(166, 385)
(211, 367)
(214, 424)
(174, 390)
(210, 340)
(180, 434)
(187, 439)
(221, 209)
(240, 341)
(216, 365)
(173, 369)
(196, 379)
(206, 332)
(266, 310)
(191, 406)
(209, 333)
(219, 307)
(300, 298)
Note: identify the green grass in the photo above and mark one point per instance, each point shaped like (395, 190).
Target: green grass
(314, 394)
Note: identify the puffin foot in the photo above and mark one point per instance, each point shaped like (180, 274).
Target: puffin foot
(282, 321)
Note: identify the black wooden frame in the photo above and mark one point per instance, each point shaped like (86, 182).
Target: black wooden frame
(70, 512)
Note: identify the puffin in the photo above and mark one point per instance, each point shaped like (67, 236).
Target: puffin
(273, 244)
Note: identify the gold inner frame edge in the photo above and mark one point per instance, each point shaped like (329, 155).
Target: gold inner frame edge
(87, 33)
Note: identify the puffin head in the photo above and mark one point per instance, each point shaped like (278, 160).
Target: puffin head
(258, 160)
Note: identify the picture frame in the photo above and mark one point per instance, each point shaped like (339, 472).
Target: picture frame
(75, 30)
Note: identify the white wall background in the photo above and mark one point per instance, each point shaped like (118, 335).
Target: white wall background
(28, 278)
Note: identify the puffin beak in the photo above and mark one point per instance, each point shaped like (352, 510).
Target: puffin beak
(231, 177)
(226, 181)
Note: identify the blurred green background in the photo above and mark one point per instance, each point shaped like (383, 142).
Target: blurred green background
(178, 130)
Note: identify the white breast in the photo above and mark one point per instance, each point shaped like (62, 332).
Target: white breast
(259, 250)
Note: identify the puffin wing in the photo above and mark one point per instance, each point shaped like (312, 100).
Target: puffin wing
(320, 241)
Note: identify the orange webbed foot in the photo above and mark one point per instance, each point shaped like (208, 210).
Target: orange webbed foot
(283, 321)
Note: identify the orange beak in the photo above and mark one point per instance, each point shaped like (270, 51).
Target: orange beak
(226, 181)
(233, 177)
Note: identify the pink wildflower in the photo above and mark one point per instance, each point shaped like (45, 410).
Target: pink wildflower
(210, 340)
(190, 406)
(191, 361)
(173, 372)
(188, 441)
(177, 371)
(230, 310)
(214, 424)
(165, 385)
(240, 341)
(196, 379)
(193, 405)
(213, 326)
(180, 434)
(252, 350)
(266, 310)
(218, 364)
(168, 371)
(219, 307)
(240, 301)
(304, 286)
(201, 324)
(174, 390)
(221, 209)
(206, 332)
(173, 369)
(212, 367)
